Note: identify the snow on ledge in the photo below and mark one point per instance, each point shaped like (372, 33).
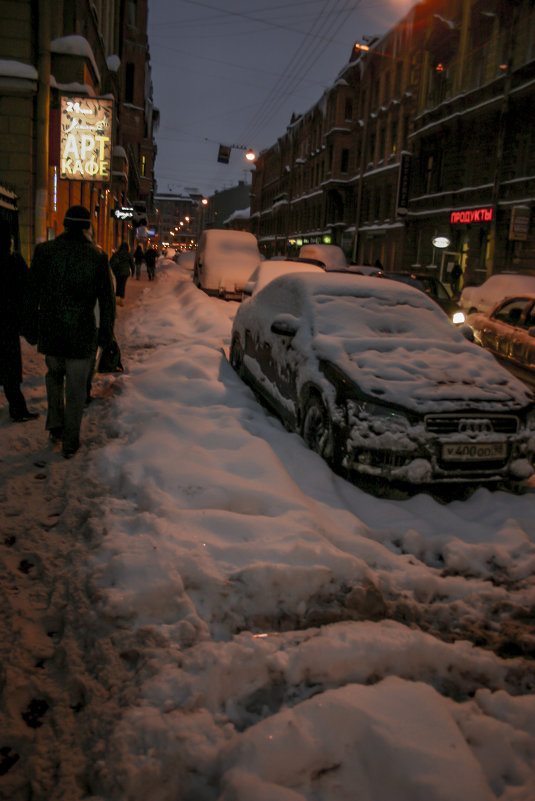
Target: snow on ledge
(113, 62)
(75, 46)
(18, 69)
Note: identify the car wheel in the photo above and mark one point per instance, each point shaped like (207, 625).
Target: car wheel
(236, 356)
(317, 429)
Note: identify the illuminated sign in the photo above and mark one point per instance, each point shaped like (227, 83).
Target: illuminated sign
(123, 213)
(471, 216)
(440, 241)
(85, 138)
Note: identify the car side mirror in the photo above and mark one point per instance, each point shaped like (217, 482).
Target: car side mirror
(285, 325)
(467, 332)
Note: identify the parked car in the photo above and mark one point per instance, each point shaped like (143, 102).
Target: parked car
(272, 268)
(186, 259)
(224, 261)
(435, 289)
(332, 256)
(508, 331)
(498, 287)
(378, 382)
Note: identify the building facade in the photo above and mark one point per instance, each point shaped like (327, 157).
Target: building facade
(76, 115)
(425, 138)
(177, 219)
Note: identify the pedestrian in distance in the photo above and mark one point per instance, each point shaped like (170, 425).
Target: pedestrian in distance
(139, 258)
(14, 276)
(68, 276)
(122, 266)
(455, 278)
(150, 260)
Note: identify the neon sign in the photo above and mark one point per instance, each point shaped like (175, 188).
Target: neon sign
(471, 216)
(85, 141)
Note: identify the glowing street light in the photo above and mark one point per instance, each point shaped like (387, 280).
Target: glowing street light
(250, 155)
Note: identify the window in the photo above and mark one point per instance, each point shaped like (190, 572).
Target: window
(344, 161)
(131, 13)
(348, 111)
(129, 82)
(143, 166)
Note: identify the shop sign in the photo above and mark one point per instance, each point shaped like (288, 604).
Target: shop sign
(124, 213)
(403, 184)
(471, 216)
(85, 138)
(519, 227)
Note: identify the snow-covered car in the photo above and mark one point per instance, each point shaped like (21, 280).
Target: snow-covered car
(496, 288)
(272, 268)
(508, 331)
(224, 261)
(435, 289)
(186, 259)
(332, 256)
(375, 378)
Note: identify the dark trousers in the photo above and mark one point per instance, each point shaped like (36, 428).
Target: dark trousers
(66, 391)
(15, 399)
(120, 285)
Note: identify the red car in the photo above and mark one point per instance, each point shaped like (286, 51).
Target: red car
(508, 331)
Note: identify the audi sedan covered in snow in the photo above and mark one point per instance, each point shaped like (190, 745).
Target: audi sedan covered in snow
(375, 378)
(508, 331)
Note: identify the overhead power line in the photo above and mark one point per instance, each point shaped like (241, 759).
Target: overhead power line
(300, 63)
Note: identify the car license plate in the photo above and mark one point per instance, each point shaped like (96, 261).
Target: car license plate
(472, 451)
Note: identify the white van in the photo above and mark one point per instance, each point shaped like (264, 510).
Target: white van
(332, 256)
(224, 261)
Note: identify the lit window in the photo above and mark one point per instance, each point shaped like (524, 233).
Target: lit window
(143, 166)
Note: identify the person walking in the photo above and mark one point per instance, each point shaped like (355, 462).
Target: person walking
(455, 278)
(139, 258)
(150, 260)
(122, 266)
(13, 277)
(68, 275)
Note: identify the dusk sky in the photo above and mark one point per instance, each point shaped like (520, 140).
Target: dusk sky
(232, 72)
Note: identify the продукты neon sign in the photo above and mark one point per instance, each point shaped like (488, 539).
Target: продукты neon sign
(471, 215)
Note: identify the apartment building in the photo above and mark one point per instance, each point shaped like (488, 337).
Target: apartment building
(421, 153)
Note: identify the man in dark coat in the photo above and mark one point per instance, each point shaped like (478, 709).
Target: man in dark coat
(150, 259)
(68, 276)
(13, 276)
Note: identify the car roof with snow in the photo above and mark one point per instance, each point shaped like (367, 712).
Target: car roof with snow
(496, 288)
(269, 269)
(388, 337)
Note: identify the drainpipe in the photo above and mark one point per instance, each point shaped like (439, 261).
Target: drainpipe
(42, 121)
(500, 140)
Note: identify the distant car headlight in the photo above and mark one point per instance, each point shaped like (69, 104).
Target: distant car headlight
(458, 318)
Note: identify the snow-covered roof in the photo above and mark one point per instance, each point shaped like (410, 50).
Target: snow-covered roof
(75, 46)
(239, 214)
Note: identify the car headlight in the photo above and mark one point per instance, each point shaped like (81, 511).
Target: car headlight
(458, 318)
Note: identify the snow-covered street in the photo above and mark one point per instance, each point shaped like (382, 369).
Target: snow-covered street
(196, 608)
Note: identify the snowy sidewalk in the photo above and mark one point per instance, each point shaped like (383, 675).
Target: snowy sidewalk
(195, 607)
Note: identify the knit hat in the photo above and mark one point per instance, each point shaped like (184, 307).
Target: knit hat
(77, 217)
